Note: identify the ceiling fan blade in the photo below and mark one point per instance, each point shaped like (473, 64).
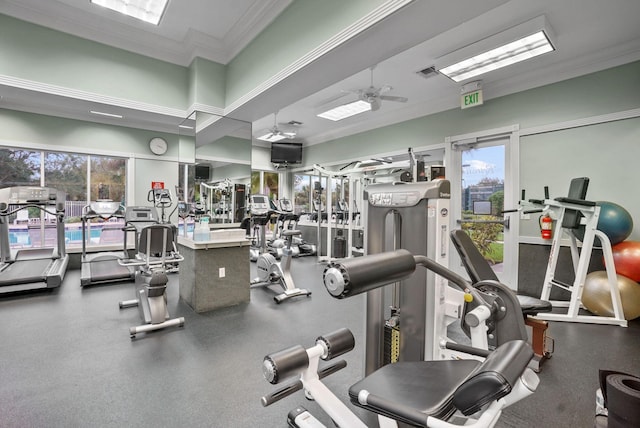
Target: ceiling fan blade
(392, 98)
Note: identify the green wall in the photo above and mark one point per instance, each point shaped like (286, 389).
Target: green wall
(301, 28)
(31, 52)
(207, 83)
(19, 129)
(608, 91)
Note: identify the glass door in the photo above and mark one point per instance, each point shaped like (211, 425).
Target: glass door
(485, 184)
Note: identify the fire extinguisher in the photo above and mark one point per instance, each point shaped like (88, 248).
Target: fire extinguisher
(546, 226)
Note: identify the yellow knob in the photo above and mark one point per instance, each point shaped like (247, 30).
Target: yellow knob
(468, 297)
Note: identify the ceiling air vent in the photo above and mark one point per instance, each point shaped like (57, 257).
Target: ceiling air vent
(428, 72)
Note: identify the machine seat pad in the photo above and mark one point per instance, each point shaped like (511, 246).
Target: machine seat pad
(532, 306)
(494, 378)
(411, 391)
(291, 232)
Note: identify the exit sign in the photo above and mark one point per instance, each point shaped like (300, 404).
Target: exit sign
(471, 99)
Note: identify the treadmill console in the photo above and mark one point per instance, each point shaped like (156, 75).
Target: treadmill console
(105, 208)
(22, 195)
(285, 205)
(141, 215)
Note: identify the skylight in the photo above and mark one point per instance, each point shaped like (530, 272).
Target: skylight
(145, 10)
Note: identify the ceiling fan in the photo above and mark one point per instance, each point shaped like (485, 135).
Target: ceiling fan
(373, 95)
(277, 134)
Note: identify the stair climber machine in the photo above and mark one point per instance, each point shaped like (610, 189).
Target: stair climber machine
(270, 271)
(155, 250)
(103, 267)
(32, 268)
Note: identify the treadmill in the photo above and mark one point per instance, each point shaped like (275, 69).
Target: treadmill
(32, 268)
(103, 267)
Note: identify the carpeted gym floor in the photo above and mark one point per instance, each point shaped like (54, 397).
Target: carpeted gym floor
(66, 360)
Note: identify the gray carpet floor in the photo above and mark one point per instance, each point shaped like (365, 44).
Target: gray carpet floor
(66, 360)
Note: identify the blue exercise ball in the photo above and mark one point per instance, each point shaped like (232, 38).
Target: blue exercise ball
(614, 221)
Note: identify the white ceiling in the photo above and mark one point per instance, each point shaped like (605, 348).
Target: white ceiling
(589, 35)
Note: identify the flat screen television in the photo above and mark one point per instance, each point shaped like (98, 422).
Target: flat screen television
(286, 153)
(202, 172)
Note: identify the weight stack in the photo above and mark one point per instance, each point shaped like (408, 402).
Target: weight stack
(339, 247)
(391, 344)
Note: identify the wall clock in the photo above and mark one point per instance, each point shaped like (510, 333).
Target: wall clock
(158, 146)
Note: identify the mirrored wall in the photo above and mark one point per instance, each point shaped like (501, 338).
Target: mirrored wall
(215, 169)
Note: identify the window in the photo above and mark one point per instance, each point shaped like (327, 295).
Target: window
(19, 168)
(83, 178)
(301, 193)
(265, 183)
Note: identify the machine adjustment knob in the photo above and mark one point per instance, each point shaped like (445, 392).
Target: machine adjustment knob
(269, 371)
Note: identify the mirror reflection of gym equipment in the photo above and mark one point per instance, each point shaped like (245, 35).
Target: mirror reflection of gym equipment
(269, 270)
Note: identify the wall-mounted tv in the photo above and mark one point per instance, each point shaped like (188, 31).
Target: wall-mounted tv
(202, 172)
(286, 153)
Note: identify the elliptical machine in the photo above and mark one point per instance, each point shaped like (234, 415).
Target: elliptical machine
(270, 271)
(155, 249)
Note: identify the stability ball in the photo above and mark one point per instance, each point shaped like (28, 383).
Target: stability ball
(596, 296)
(614, 221)
(626, 258)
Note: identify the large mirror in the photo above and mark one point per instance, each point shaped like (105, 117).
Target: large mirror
(215, 170)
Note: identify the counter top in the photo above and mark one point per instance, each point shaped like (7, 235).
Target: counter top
(218, 243)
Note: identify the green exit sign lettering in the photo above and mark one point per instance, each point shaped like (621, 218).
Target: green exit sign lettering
(472, 99)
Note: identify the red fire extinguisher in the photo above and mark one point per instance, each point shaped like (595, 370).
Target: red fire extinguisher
(546, 226)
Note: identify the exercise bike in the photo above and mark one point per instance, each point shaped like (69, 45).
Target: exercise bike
(155, 249)
(446, 393)
(270, 271)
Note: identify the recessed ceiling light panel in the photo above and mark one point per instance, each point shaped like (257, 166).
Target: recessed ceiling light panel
(515, 44)
(145, 10)
(346, 110)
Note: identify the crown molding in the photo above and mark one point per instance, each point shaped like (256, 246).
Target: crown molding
(372, 18)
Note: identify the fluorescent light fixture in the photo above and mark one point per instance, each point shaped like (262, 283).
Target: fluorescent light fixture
(101, 113)
(345, 110)
(272, 137)
(145, 10)
(536, 41)
(185, 126)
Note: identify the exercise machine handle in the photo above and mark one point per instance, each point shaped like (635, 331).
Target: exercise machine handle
(361, 274)
(289, 389)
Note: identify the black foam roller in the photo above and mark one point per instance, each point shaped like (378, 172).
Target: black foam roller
(286, 363)
(337, 342)
(361, 274)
